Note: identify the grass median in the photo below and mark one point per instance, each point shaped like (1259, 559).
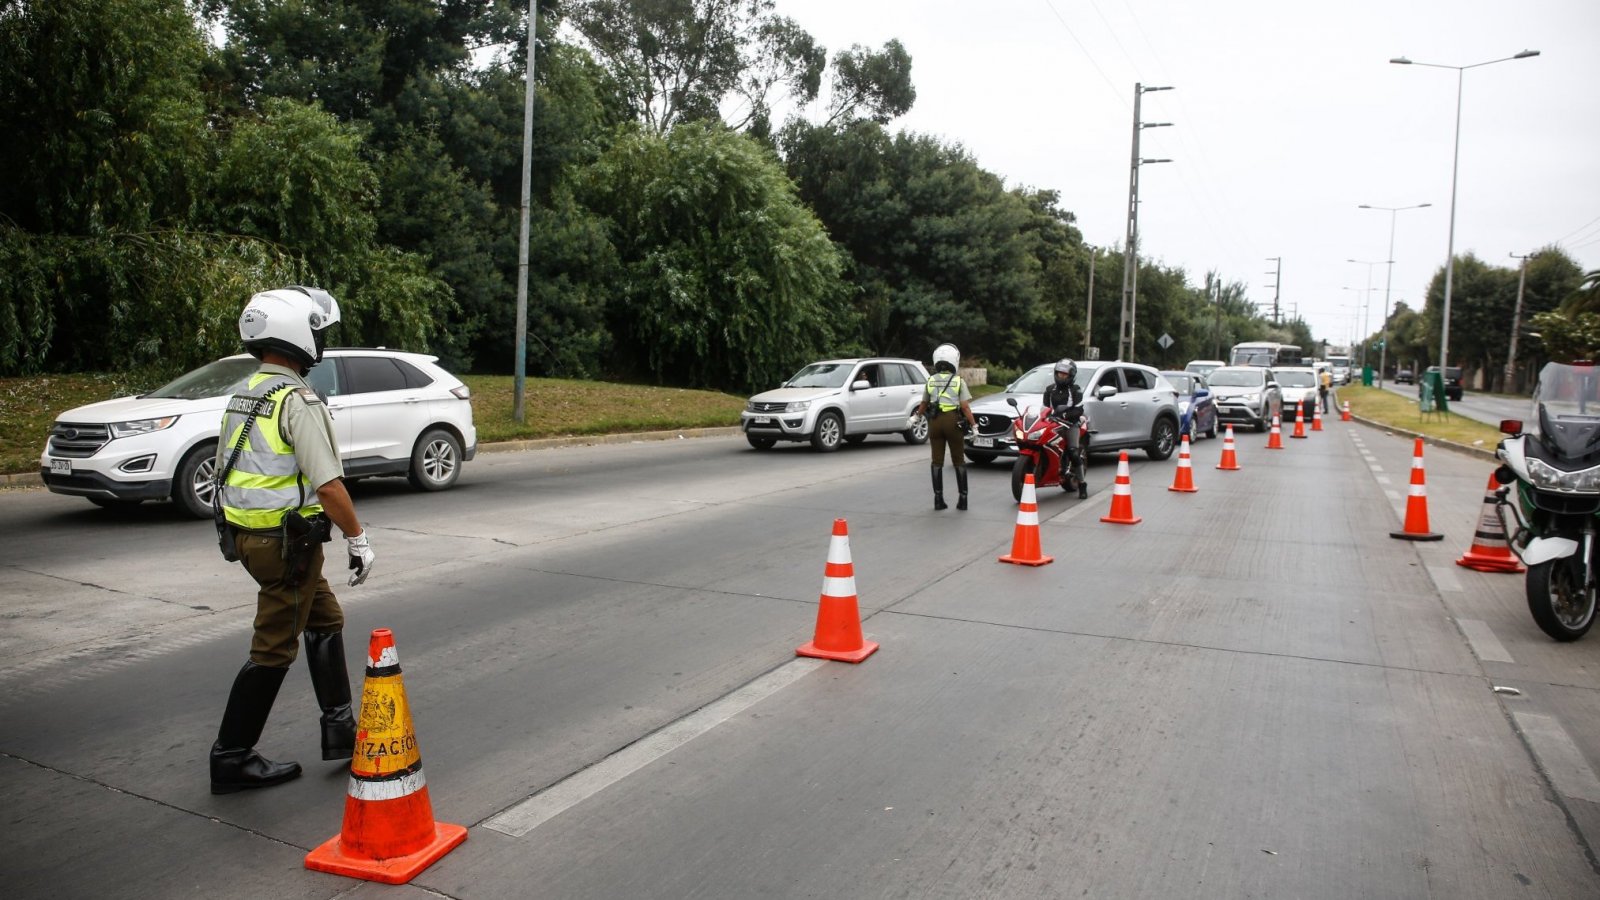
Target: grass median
(1399, 411)
(554, 407)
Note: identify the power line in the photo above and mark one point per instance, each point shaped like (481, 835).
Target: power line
(1583, 227)
(1087, 55)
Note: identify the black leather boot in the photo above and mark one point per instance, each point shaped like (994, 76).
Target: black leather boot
(961, 487)
(938, 488)
(235, 765)
(331, 681)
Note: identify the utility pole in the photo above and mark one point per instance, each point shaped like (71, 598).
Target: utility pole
(1088, 311)
(1516, 322)
(1277, 279)
(1127, 326)
(1216, 328)
(520, 367)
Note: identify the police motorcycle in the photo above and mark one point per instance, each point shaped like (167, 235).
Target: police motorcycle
(1550, 505)
(1041, 446)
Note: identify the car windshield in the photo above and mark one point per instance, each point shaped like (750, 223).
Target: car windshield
(1182, 383)
(218, 379)
(821, 375)
(1236, 378)
(1566, 406)
(1296, 379)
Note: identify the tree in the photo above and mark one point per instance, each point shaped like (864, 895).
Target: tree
(728, 280)
(878, 83)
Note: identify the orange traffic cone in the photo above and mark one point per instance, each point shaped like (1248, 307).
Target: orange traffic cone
(1230, 460)
(1316, 418)
(1489, 551)
(838, 634)
(1122, 496)
(389, 834)
(1025, 539)
(1345, 416)
(1275, 439)
(1299, 421)
(1183, 479)
(1417, 504)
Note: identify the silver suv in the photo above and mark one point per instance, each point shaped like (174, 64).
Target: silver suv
(840, 401)
(1247, 394)
(394, 414)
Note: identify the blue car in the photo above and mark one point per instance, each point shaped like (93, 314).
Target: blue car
(1197, 409)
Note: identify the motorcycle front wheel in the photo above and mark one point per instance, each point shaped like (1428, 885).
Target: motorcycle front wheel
(1557, 600)
(1020, 468)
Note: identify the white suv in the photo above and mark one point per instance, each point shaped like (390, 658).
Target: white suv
(840, 401)
(394, 413)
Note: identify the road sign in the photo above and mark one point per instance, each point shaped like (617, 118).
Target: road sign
(1165, 340)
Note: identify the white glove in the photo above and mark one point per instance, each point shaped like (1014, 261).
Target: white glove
(361, 557)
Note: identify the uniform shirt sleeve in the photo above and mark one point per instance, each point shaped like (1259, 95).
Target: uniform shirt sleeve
(966, 395)
(308, 427)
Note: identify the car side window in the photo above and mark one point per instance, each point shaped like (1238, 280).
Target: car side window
(415, 377)
(1136, 379)
(869, 374)
(324, 378)
(369, 374)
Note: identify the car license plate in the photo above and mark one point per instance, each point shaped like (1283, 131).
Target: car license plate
(61, 466)
(983, 442)
(763, 420)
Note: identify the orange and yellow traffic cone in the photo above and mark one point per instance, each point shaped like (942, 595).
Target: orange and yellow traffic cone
(1183, 479)
(1025, 549)
(1316, 418)
(838, 633)
(1230, 460)
(389, 834)
(1345, 415)
(1275, 439)
(1299, 421)
(1417, 504)
(1122, 496)
(1489, 551)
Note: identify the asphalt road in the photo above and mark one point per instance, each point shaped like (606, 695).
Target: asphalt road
(1255, 692)
(1488, 408)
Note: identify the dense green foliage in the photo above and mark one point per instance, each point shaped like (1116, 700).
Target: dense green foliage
(679, 233)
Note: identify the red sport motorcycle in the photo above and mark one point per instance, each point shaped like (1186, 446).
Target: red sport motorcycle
(1041, 447)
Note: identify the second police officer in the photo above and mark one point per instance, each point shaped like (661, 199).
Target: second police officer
(280, 483)
(945, 405)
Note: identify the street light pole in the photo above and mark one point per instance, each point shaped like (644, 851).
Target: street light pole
(1388, 280)
(1455, 167)
(519, 367)
(1088, 313)
(1516, 321)
(1130, 253)
(1366, 306)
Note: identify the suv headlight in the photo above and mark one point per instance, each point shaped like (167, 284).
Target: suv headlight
(141, 426)
(1252, 398)
(797, 406)
(1548, 477)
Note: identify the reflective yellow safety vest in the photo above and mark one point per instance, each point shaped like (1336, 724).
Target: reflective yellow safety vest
(265, 482)
(945, 390)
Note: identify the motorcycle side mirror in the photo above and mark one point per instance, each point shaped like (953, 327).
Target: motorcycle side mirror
(1012, 401)
(1511, 426)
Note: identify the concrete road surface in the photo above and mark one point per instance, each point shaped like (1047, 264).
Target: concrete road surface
(1255, 692)
(1488, 408)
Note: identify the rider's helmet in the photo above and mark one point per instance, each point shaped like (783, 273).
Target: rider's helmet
(290, 320)
(1066, 370)
(946, 358)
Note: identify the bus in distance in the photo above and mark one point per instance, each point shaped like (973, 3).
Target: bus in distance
(1264, 353)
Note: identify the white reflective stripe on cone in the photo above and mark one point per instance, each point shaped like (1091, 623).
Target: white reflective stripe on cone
(839, 549)
(1025, 517)
(839, 587)
(1419, 490)
(387, 789)
(389, 657)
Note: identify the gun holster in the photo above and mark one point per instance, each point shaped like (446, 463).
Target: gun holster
(226, 536)
(300, 538)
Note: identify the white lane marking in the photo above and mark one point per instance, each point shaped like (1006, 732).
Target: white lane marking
(1394, 496)
(1483, 641)
(1376, 468)
(1444, 578)
(580, 786)
(1384, 479)
(1559, 757)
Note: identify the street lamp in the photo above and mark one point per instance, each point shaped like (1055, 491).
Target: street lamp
(1358, 323)
(1366, 303)
(1455, 166)
(1388, 279)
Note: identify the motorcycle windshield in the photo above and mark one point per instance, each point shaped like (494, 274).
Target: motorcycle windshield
(1566, 406)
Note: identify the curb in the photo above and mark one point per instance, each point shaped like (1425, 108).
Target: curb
(1447, 445)
(22, 479)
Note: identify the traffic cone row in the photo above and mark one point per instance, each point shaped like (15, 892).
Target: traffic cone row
(1416, 527)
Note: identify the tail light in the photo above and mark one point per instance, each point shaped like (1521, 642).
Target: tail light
(1510, 426)
(462, 392)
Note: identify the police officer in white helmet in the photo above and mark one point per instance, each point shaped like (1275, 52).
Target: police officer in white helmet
(279, 485)
(946, 404)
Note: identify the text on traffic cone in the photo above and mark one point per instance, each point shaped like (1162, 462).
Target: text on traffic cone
(389, 834)
(1417, 504)
(1122, 496)
(1489, 551)
(838, 634)
(1230, 459)
(1183, 479)
(1025, 550)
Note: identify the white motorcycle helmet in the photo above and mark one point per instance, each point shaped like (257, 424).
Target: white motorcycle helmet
(290, 320)
(946, 355)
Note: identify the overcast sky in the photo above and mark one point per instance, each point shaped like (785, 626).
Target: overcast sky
(1286, 117)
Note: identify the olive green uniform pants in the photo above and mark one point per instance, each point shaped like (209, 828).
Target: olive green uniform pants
(283, 612)
(945, 428)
